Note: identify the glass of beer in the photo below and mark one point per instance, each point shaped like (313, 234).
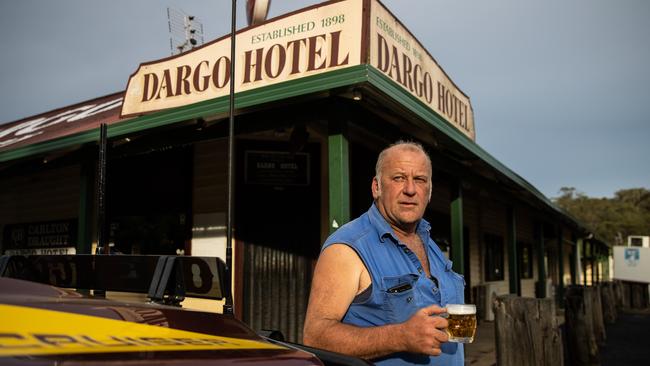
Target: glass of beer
(462, 322)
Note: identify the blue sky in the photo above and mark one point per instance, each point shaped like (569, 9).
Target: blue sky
(560, 89)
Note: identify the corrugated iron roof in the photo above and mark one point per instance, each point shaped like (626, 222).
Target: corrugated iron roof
(62, 122)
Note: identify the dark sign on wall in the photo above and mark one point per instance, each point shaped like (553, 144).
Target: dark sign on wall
(40, 237)
(276, 168)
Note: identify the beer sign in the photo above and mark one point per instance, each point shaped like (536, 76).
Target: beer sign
(47, 237)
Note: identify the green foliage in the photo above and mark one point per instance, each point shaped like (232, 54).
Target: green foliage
(610, 219)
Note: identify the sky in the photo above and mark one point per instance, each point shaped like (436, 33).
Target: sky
(560, 88)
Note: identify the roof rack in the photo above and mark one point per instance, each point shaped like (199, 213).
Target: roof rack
(165, 279)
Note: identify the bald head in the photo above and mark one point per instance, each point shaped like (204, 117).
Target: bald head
(396, 147)
(402, 187)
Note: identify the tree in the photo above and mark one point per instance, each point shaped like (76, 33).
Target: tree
(610, 219)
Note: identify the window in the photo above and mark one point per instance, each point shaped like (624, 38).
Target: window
(636, 241)
(525, 255)
(493, 257)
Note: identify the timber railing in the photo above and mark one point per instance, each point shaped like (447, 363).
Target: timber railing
(528, 332)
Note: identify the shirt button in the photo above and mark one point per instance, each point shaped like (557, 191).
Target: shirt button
(409, 299)
(419, 269)
(406, 250)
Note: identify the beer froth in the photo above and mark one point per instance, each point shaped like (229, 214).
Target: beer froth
(462, 323)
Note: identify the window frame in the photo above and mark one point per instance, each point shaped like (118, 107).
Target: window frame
(527, 246)
(494, 259)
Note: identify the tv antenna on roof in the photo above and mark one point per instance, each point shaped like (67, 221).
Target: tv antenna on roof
(185, 31)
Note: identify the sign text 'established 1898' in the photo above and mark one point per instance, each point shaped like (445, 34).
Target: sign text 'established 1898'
(318, 40)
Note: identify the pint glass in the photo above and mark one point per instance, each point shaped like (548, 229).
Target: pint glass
(462, 322)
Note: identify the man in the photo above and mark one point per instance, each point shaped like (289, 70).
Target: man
(380, 283)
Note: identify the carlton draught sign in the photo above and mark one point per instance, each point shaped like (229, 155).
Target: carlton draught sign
(315, 40)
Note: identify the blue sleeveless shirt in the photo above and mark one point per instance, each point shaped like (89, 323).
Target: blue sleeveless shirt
(399, 284)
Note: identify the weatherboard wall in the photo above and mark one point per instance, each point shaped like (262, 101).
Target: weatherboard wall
(40, 196)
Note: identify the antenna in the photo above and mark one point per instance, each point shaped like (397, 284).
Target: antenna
(102, 244)
(228, 307)
(185, 31)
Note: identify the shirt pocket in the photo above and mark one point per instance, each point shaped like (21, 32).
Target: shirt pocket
(458, 282)
(400, 296)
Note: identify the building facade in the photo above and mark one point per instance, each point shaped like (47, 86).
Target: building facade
(319, 93)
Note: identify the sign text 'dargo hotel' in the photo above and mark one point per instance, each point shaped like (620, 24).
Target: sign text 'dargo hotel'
(317, 40)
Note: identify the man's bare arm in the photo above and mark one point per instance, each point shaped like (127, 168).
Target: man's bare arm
(335, 284)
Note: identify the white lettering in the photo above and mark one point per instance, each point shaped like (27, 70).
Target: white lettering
(34, 127)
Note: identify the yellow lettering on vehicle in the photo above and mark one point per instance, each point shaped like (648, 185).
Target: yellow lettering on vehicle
(30, 331)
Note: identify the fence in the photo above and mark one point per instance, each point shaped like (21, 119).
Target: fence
(527, 330)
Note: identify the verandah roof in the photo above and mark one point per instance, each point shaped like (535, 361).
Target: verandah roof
(362, 76)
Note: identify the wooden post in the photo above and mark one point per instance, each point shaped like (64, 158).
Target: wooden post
(638, 295)
(527, 332)
(86, 208)
(608, 299)
(596, 264)
(584, 262)
(560, 253)
(625, 295)
(590, 250)
(513, 270)
(618, 294)
(574, 260)
(457, 245)
(339, 177)
(599, 323)
(541, 267)
(581, 340)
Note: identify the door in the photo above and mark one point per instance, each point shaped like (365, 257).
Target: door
(277, 214)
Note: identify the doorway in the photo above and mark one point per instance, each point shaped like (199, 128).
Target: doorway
(148, 202)
(277, 218)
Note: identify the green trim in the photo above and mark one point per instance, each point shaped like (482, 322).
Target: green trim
(288, 89)
(47, 146)
(583, 262)
(352, 75)
(402, 96)
(573, 261)
(513, 264)
(541, 268)
(86, 197)
(457, 247)
(339, 181)
(560, 286)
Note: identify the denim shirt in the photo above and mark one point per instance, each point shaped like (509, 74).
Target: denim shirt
(392, 265)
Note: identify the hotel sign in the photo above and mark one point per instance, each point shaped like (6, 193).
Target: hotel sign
(396, 53)
(315, 40)
(319, 39)
(276, 168)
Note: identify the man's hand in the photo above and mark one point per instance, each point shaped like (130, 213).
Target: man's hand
(425, 331)
(339, 276)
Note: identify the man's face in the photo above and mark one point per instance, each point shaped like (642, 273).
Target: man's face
(405, 187)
